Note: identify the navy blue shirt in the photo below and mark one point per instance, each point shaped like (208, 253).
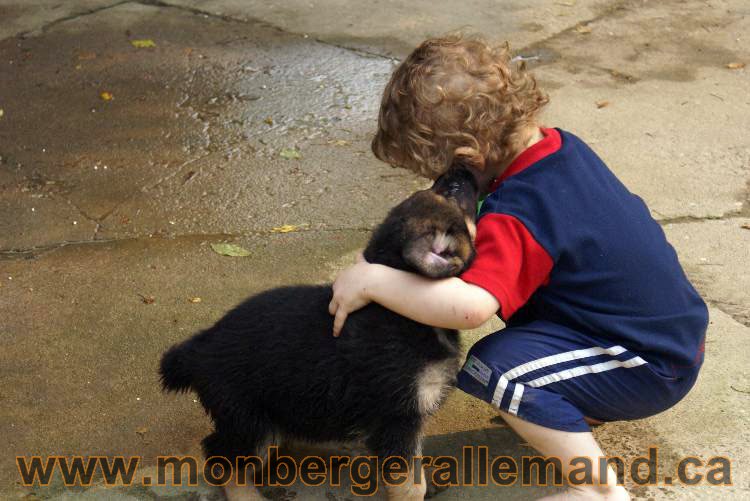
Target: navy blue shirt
(562, 239)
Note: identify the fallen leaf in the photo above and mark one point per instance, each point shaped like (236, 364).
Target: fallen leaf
(268, 120)
(107, 96)
(745, 226)
(623, 76)
(287, 228)
(339, 142)
(735, 66)
(195, 300)
(2, 113)
(143, 44)
(602, 104)
(290, 154)
(147, 299)
(230, 250)
(141, 432)
(583, 30)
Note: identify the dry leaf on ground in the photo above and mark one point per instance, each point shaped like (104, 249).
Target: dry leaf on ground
(339, 142)
(287, 228)
(147, 299)
(290, 154)
(231, 250)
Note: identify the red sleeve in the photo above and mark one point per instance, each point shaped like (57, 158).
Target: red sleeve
(510, 264)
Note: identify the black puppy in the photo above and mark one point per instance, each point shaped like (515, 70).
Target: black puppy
(271, 368)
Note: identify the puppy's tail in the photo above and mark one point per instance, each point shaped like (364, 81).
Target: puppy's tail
(174, 370)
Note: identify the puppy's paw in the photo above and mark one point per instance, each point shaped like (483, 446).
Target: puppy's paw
(432, 488)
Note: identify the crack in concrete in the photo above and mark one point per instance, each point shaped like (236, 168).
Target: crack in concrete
(261, 22)
(738, 214)
(13, 253)
(37, 251)
(742, 212)
(617, 6)
(196, 11)
(71, 17)
(85, 215)
(357, 50)
(740, 318)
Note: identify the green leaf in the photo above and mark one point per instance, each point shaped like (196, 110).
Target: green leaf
(290, 154)
(143, 44)
(230, 250)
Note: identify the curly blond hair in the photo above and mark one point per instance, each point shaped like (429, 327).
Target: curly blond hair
(455, 93)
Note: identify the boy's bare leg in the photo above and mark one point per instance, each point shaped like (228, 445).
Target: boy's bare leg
(566, 446)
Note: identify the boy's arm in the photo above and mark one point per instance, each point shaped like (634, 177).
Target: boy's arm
(449, 303)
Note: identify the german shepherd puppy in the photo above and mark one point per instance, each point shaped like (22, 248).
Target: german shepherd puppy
(270, 368)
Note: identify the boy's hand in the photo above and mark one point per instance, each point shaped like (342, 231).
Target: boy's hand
(349, 293)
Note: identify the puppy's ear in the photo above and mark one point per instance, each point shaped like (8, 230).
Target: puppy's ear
(459, 184)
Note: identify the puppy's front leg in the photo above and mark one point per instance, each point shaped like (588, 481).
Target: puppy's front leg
(411, 490)
(236, 492)
(402, 440)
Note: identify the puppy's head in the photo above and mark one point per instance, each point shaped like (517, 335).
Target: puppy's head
(431, 232)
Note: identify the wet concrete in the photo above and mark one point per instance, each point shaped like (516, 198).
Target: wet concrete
(119, 166)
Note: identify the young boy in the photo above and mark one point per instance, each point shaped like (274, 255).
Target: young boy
(601, 322)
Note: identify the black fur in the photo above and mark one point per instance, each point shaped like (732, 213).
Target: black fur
(271, 366)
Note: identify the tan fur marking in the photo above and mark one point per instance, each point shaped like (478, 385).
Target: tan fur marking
(433, 385)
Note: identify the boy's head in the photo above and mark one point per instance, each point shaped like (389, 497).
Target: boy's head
(455, 93)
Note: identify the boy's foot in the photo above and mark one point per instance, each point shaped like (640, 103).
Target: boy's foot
(590, 493)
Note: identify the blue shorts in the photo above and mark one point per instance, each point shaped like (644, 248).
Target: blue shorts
(553, 376)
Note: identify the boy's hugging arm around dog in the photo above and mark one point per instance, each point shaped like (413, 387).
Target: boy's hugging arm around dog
(449, 303)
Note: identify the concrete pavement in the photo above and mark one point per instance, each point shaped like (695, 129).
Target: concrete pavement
(120, 165)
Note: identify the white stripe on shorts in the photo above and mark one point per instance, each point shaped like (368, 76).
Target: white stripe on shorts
(515, 401)
(585, 369)
(559, 358)
(497, 397)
